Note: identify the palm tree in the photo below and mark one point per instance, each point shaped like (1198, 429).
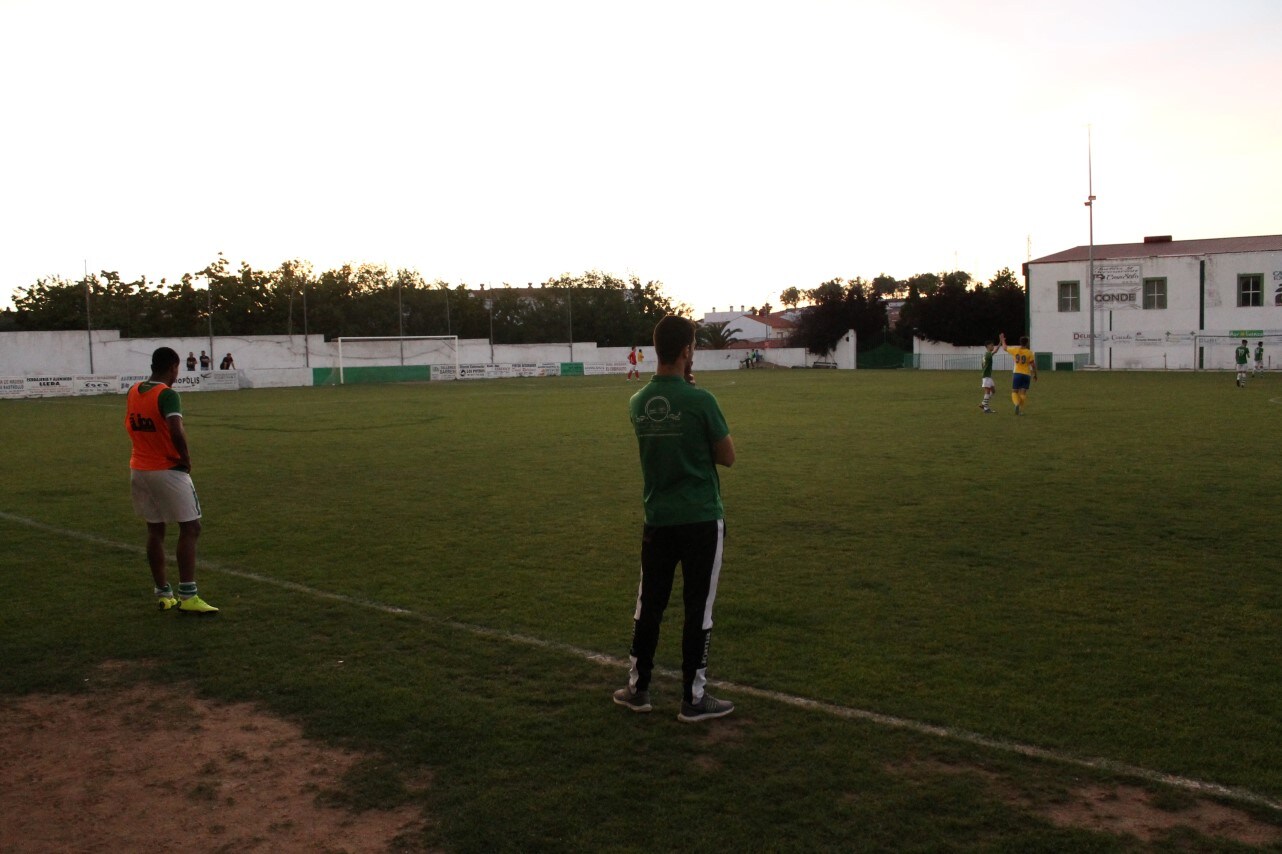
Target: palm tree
(715, 336)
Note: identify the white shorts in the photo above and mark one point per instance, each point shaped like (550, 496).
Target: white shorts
(987, 382)
(164, 496)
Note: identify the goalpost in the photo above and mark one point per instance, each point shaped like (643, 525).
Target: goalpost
(1213, 352)
(438, 351)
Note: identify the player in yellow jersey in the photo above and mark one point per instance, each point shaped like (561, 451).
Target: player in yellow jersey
(1025, 371)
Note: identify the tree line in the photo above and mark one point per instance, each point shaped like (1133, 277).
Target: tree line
(948, 307)
(373, 300)
(362, 300)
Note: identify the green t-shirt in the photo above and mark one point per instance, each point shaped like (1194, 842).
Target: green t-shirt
(988, 364)
(676, 425)
(1259, 352)
(1242, 352)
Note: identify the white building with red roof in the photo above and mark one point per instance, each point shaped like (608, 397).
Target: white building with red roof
(761, 328)
(1158, 304)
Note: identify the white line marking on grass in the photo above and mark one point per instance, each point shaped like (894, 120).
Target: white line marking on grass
(533, 391)
(1201, 787)
(94, 405)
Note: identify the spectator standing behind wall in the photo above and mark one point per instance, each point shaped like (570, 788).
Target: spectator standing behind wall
(191, 361)
(205, 362)
(227, 364)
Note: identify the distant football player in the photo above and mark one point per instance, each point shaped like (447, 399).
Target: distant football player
(1259, 358)
(1240, 356)
(986, 377)
(1024, 374)
(633, 358)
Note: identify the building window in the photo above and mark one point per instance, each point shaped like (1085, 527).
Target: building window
(1250, 290)
(1155, 293)
(1070, 298)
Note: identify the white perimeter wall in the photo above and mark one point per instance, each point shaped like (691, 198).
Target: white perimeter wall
(31, 353)
(287, 360)
(938, 356)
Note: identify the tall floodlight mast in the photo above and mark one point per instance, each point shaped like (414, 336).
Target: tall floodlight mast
(1090, 263)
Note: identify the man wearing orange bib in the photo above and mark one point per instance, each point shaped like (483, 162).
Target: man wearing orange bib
(1025, 372)
(160, 481)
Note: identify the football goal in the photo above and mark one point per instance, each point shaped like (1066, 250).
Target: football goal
(1217, 352)
(440, 352)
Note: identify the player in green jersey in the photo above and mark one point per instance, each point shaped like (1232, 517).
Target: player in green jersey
(986, 377)
(1259, 358)
(1241, 355)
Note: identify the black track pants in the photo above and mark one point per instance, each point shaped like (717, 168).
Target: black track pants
(698, 548)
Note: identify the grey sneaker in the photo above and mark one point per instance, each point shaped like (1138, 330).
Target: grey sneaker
(707, 708)
(637, 701)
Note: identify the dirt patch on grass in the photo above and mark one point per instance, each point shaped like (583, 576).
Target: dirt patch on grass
(130, 767)
(712, 734)
(1120, 810)
(1131, 810)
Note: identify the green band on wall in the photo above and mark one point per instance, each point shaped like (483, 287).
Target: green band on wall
(375, 374)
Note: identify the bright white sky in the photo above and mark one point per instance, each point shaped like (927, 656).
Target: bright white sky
(727, 149)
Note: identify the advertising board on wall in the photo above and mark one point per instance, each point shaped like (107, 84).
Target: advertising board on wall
(474, 372)
(94, 384)
(207, 381)
(1118, 286)
(1082, 340)
(50, 386)
(85, 384)
(533, 369)
(63, 386)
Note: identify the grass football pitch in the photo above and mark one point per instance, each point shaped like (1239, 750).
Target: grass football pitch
(936, 624)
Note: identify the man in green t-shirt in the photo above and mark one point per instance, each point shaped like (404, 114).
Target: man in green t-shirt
(1259, 359)
(1241, 355)
(682, 437)
(986, 377)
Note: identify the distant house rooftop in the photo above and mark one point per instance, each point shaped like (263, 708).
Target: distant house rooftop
(1164, 246)
(774, 321)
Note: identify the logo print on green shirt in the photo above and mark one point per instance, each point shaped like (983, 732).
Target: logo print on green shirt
(657, 408)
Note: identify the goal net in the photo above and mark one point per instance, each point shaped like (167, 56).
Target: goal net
(1218, 352)
(436, 357)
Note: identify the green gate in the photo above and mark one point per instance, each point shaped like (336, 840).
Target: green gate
(882, 356)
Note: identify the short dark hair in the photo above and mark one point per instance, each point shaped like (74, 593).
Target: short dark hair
(1023, 340)
(672, 334)
(164, 358)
